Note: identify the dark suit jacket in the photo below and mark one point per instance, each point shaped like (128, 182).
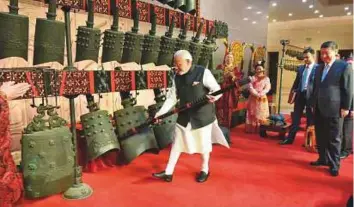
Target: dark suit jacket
(298, 80)
(336, 90)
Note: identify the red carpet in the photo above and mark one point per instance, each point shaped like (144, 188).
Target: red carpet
(254, 172)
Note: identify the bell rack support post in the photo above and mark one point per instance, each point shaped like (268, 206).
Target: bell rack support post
(79, 190)
(284, 43)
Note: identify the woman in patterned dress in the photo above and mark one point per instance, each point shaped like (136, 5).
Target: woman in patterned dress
(257, 104)
(10, 180)
(228, 102)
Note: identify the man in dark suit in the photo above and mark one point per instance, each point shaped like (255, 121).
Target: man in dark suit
(347, 134)
(333, 93)
(303, 88)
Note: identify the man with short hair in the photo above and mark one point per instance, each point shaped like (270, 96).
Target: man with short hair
(333, 93)
(347, 134)
(303, 89)
(197, 128)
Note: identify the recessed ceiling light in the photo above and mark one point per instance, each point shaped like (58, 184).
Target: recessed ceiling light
(349, 13)
(311, 6)
(316, 11)
(274, 20)
(346, 8)
(304, 1)
(274, 4)
(259, 12)
(267, 17)
(254, 22)
(290, 14)
(245, 18)
(321, 16)
(249, 7)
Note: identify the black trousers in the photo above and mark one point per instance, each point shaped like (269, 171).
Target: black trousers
(328, 136)
(347, 135)
(300, 105)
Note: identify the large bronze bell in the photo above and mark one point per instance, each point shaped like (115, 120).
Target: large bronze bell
(14, 33)
(165, 130)
(195, 47)
(98, 130)
(113, 41)
(207, 51)
(189, 7)
(176, 3)
(127, 118)
(88, 38)
(179, 3)
(168, 45)
(151, 45)
(182, 43)
(133, 41)
(48, 45)
(47, 155)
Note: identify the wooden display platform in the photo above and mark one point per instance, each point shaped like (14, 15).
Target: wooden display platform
(282, 130)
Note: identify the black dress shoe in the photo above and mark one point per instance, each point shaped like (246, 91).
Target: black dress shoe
(334, 172)
(202, 177)
(162, 175)
(286, 141)
(318, 163)
(344, 155)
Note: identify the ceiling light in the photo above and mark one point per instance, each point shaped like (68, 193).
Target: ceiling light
(346, 8)
(290, 14)
(254, 22)
(249, 7)
(311, 6)
(349, 13)
(245, 18)
(274, 20)
(316, 11)
(274, 4)
(321, 16)
(259, 12)
(267, 17)
(304, 1)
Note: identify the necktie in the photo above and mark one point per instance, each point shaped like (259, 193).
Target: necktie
(304, 78)
(325, 71)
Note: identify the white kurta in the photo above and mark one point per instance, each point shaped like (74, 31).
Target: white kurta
(190, 140)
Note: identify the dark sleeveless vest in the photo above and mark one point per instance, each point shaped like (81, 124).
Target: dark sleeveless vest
(188, 92)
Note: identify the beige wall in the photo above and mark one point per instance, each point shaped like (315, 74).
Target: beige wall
(304, 33)
(233, 12)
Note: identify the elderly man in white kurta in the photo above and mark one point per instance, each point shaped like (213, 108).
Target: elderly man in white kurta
(196, 129)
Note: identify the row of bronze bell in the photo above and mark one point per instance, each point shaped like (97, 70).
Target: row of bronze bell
(47, 151)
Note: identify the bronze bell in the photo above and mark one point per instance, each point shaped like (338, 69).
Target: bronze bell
(189, 7)
(87, 38)
(48, 45)
(99, 138)
(135, 145)
(179, 3)
(14, 33)
(47, 155)
(163, 132)
(97, 130)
